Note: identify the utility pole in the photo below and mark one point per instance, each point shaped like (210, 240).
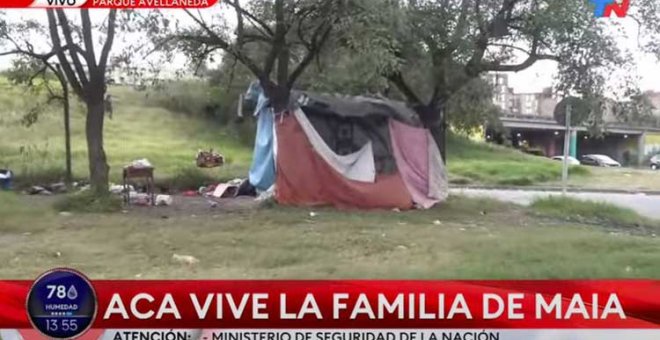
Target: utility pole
(567, 141)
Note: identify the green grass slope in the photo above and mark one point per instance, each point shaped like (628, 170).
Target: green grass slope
(170, 140)
(471, 162)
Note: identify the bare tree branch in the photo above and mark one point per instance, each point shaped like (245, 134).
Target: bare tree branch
(215, 40)
(397, 79)
(279, 39)
(90, 56)
(57, 45)
(68, 37)
(518, 67)
(109, 40)
(314, 49)
(258, 23)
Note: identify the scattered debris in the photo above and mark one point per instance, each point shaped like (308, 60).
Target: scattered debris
(163, 200)
(462, 229)
(190, 193)
(5, 179)
(139, 198)
(225, 190)
(401, 247)
(312, 214)
(396, 210)
(267, 195)
(65, 213)
(234, 188)
(437, 222)
(629, 269)
(38, 190)
(185, 259)
(117, 189)
(140, 164)
(58, 188)
(58, 254)
(209, 159)
(50, 189)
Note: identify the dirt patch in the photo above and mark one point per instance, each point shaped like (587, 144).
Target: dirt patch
(197, 206)
(181, 205)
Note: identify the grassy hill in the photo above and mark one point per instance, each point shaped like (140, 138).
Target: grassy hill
(471, 162)
(170, 140)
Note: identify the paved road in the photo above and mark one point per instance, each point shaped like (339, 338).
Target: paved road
(645, 205)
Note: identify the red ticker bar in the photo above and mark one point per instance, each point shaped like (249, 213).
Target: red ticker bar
(361, 304)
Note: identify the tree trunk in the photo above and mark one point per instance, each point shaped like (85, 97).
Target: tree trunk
(434, 120)
(67, 133)
(98, 165)
(66, 108)
(439, 133)
(277, 94)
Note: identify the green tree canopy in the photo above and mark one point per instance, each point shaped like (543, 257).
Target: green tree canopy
(431, 50)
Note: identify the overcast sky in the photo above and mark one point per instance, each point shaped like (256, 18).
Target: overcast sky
(531, 80)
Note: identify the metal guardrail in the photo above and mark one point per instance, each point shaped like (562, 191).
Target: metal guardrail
(652, 125)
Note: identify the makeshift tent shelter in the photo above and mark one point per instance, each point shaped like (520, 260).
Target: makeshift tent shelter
(350, 152)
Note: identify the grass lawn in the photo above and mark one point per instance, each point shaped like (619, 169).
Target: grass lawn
(465, 238)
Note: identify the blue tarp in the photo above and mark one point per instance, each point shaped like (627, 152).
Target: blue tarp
(262, 171)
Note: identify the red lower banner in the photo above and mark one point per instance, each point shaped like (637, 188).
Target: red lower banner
(351, 304)
(333, 334)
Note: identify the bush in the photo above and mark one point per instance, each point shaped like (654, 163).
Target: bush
(88, 202)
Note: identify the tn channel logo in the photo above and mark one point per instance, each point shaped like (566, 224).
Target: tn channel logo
(605, 8)
(57, 3)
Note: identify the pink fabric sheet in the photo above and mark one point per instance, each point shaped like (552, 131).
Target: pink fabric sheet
(415, 158)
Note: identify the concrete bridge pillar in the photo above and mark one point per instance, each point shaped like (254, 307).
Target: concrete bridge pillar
(573, 144)
(641, 149)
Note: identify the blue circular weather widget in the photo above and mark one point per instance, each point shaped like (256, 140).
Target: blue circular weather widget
(62, 304)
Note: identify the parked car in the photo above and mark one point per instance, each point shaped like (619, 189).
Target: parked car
(571, 160)
(655, 162)
(599, 160)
